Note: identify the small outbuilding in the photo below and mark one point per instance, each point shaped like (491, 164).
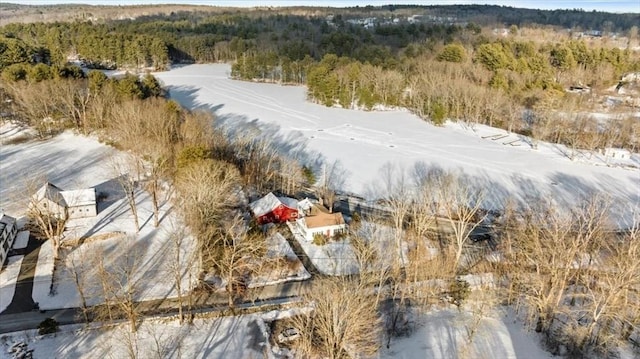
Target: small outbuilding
(272, 209)
(617, 153)
(79, 203)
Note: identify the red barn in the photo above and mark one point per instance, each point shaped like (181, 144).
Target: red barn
(272, 209)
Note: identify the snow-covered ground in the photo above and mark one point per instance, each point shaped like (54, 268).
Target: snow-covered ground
(226, 337)
(71, 161)
(363, 142)
(333, 258)
(150, 255)
(22, 240)
(67, 160)
(8, 279)
(338, 257)
(279, 248)
(443, 334)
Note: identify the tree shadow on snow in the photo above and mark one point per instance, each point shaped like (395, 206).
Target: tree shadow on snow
(238, 126)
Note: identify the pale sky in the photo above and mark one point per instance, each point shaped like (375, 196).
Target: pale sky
(588, 5)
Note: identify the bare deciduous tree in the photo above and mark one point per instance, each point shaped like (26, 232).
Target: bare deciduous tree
(33, 105)
(151, 130)
(460, 204)
(119, 280)
(206, 189)
(79, 270)
(126, 169)
(232, 255)
(47, 213)
(333, 178)
(183, 263)
(344, 320)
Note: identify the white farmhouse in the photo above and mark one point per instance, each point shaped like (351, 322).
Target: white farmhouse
(8, 231)
(318, 222)
(74, 203)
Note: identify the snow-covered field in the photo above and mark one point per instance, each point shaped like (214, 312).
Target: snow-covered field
(227, 337)
(8, 279)
(71, 161)
(67, 160)
(363, 142)
(149, 254)
(443, 334)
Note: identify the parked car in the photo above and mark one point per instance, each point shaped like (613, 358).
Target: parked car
(288, 335)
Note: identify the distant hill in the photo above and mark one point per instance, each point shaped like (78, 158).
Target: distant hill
(480, 14)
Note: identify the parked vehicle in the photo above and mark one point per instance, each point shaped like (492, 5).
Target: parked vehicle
(288, 335)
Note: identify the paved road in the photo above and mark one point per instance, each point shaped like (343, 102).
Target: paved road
(202, 302)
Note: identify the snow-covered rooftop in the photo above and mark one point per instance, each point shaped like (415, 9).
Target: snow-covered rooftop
(289, 202)
(80, 197)
(270, 202)
(264, 205)
(6, 219)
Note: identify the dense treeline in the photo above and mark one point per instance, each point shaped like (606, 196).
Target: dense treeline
(189, 37)
(492, 83)
(437, 71)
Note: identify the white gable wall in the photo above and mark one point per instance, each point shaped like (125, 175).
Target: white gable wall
(82, 211)
(47, 205)
(81, 203)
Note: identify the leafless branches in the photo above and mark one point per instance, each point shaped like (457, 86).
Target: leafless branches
(344, 320)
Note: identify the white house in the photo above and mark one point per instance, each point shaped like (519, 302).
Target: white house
(74, 203)
(317, 222)
(8, 231)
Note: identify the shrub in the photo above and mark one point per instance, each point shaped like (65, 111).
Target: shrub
(309, 176)
(356, 218)
(459, 291)
(15, 72)
(47, 326)
(438, 113)
(191, 154)
(319, 239)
